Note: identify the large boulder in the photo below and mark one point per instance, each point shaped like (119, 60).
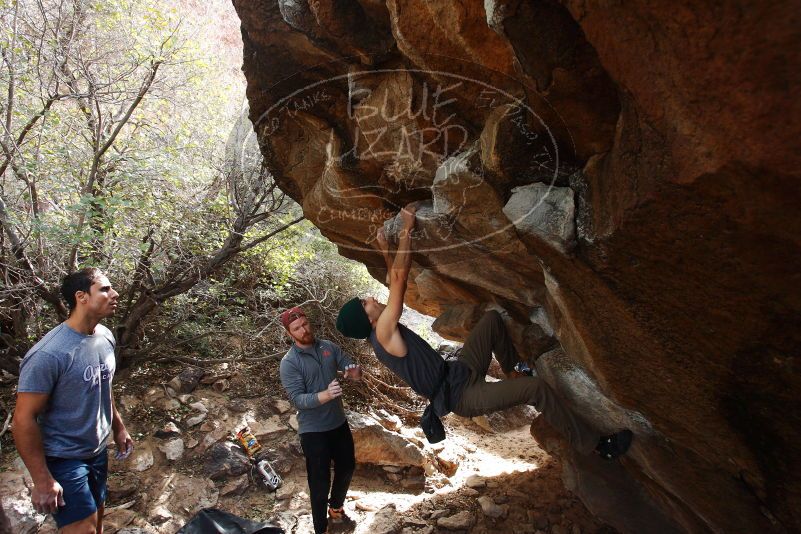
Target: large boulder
(15, 496)
(376, 445)
(621, 178)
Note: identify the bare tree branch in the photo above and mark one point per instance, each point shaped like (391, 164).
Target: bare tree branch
(101, 150)
(9, 151)
(216, 361)
(18, 249)
(267, 236)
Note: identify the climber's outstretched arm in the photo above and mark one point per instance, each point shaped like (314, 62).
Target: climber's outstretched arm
(387, 326)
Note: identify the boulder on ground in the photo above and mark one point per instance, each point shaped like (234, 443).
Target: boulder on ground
(263, 428)
(225, 459)
(221, 385)
(376, 445)
(187, 380)
(475, 481)
(195, 420)
(461, 521)
(199, 407)
(491, 509)
(116, 518)
(142, 457)
(16, 499)
(239, 405)
(389, 421)
(385, 521)
(159, 515)
(137, 530)
(282, 406)
(448, 462)
(182, 496)
(236, 485)
(122, 485)
(173, 449)
(169, 430)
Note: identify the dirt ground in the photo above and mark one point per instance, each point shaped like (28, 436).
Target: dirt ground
(518, 475)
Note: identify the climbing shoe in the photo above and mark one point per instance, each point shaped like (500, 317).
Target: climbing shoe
(339, 521)
(614, 445)
(524, 369)
(338, 515)
(520, 369)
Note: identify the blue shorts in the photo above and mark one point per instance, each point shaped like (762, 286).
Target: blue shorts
(84, 484)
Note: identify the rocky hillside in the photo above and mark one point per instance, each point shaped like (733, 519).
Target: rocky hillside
(186, 459)
(620, 178)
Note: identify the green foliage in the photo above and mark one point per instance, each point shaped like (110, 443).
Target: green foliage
(163, 198)
(164, 159)
(234, 314)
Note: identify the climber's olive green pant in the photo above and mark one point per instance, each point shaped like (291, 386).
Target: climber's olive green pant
(480, 397)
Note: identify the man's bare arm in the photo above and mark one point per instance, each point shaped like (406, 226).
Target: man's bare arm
(47, 494)
(387, 325)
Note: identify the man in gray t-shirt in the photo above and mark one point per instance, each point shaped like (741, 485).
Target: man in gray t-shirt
(65, 410)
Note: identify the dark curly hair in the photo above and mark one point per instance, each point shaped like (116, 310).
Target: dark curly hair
(78, 281)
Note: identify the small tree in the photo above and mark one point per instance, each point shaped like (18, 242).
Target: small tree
(110, 156)
(255, 211)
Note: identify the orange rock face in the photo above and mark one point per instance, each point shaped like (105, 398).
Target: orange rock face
(622, 179)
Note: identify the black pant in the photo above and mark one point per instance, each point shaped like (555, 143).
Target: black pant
(320, 448)
(480, 397)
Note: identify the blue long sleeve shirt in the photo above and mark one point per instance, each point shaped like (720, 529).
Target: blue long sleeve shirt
(305, 373)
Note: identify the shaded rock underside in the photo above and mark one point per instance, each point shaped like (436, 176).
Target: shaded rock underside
(622, 180)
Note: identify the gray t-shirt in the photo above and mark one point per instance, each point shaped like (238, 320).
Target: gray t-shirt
(305, 373)
(76, 370)
(425, 370)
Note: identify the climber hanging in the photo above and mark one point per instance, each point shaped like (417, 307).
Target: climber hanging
(458, 385)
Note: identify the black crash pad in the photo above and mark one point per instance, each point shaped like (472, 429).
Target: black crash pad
(214, 521)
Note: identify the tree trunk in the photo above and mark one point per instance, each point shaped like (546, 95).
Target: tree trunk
(130, 331)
